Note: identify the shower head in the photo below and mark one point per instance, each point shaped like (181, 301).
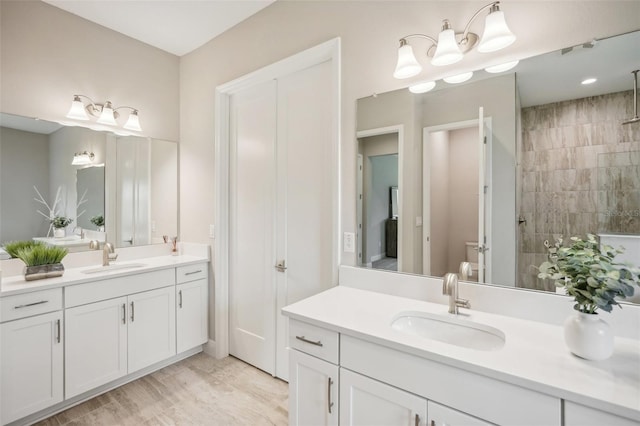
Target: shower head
(635, 118)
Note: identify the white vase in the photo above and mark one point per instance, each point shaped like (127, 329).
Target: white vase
(588, 336)
(58, 232)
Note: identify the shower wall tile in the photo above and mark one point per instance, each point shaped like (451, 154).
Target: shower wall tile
(580, 173)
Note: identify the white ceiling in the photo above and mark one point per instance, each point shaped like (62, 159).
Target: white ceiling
(176, 26)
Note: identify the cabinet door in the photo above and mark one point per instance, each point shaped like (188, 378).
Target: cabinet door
(191, 315)
(367, 402)
(439, 415)
(95, 345)
(31, 367)
(313, 391)
(151, 335)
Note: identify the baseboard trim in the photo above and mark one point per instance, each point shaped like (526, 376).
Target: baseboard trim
(209, 348)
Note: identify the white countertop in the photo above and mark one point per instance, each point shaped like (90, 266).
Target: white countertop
(534, 355)
(17, 284)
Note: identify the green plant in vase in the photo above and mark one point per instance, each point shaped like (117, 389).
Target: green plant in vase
(42, 261)
(61, 222)
(98, 221)
(589, 273)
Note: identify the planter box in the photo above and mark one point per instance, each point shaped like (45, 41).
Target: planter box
(43, 271)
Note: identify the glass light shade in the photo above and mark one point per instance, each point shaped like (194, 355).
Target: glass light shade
(422, 87)
(133, 123)
(107, 117)
(501, 67)
(407, 65)
(447, 51)
(82, 159)
(496, 33)
(77, 111)
(460, 78)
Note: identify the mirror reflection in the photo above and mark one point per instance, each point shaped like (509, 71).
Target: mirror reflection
(123, 189)
(557, 160)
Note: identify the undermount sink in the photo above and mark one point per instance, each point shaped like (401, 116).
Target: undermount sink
(113, 267)
(449, 329)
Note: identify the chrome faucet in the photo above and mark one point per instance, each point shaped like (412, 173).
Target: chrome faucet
(108, 254)
(450, 288)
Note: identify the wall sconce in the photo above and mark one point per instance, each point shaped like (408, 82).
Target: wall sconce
(82, 158)
(106, 113)
(450, 46)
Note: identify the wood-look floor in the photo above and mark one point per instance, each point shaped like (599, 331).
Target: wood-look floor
(199, 390)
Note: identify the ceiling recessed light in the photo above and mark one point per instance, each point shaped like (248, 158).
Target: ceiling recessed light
(422, 87)
(589, 81)
(460, 78)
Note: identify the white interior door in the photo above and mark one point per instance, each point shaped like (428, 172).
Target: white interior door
(251, 225)
(304, 200)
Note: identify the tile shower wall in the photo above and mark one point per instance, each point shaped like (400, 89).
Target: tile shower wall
(579, 173)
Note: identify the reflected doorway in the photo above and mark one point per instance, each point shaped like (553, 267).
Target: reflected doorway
(378, 200)
(456, 198)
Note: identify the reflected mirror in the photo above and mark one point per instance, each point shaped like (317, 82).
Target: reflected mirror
(552, 157)
(125, 189)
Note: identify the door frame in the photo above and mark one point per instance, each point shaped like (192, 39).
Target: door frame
(327, 51)
(426, 187)
(399, 130)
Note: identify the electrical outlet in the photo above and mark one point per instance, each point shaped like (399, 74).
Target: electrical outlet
(212, 233)
(349, 242)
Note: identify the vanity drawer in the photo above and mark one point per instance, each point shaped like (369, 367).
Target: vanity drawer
(184, 274)
(316, 341)
(29, 304)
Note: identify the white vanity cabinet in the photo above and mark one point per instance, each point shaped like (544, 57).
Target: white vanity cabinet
(313, 375)
(132, 329)
(191, 306)
(96, 345)
(365, 402)
(31, 355)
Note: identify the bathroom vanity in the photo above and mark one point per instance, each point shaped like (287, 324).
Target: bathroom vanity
(67, 339)
(360, 357)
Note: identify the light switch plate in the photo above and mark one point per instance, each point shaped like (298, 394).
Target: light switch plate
(212, 231)
(349, 242)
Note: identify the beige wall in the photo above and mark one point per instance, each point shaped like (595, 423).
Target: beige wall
(369, 33)
(48, 55)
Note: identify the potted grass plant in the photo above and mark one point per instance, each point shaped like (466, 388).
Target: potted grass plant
(41, 261)
(590, 274)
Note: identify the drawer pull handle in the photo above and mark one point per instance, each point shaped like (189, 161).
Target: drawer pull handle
(193, 272)
(30, 304)
(329, 403)
(132, 312)
(318, 343)
(58, 331)
(124, 313)
(180, 299)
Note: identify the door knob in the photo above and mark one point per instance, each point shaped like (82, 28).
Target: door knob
(280, 266)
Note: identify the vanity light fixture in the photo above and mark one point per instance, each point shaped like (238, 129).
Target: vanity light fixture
(82, 158)
(459, 78)
(106, 113)
(501, 67)
(422, 87)
(450, 46)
